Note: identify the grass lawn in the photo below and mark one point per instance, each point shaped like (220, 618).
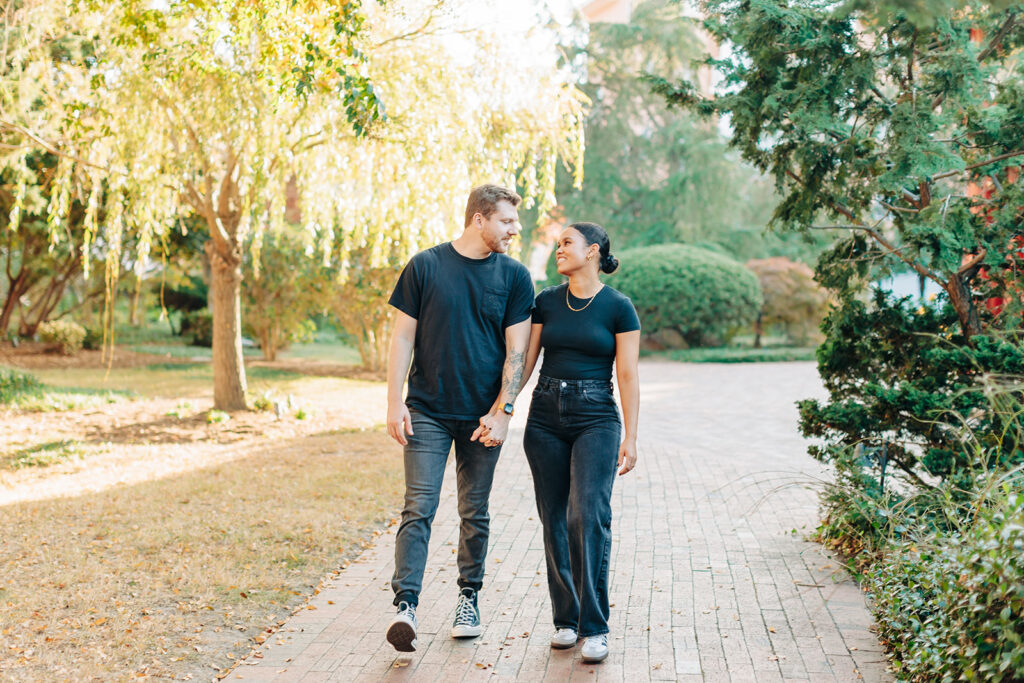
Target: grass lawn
(731, 354)
(183, 575)
(138, 538)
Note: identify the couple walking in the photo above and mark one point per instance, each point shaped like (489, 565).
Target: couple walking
(468, 323)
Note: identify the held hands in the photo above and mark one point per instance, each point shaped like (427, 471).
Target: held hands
(627, 456)
(492, 430)
(399, 422)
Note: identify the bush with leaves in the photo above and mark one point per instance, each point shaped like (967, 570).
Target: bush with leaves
(900, 375)
(284, 286)
(792, 299)
(703, 295)
(360, 307)
(68, 336)
(198, 327)
(949, 605)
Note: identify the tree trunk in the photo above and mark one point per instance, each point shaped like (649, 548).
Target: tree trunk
(758, 329)
(225, 296)
(960, 297)
(133, 315)
(267, 344)
(16, 289)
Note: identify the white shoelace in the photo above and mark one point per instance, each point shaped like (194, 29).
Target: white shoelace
(465, 612)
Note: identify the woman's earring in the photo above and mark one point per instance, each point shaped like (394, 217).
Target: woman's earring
(590, 256)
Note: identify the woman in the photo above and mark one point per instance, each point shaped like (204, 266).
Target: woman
(573, 430)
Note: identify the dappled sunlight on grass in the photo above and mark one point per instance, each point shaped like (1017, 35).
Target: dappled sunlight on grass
(170, 576)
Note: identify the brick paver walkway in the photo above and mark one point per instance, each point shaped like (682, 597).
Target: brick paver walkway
(711, 577)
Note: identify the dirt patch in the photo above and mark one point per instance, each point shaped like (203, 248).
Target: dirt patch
(39, 356)
(321, 369)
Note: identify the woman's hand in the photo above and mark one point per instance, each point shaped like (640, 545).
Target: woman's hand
(627, 456)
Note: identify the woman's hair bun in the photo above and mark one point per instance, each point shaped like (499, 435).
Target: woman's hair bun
(609, 264)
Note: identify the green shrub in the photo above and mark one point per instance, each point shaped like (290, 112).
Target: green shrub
(705, 296)
(15, 385)
(949, 605)
(93, 340)
(67, 335)
(897, 375)
(198, 326)
(282, 289)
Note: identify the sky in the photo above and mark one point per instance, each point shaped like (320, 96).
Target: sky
(517, 19)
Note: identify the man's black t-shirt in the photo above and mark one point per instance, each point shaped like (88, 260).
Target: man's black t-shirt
(462, 307)
(580, 344)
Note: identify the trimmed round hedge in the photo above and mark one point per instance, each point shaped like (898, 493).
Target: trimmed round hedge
(703, 295)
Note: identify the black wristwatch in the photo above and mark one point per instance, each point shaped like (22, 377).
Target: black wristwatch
(508, 409)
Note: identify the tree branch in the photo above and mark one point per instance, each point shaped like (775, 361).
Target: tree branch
(998, 37)
(875, 235)
(1001, 157)
(972, 262)
(983, 55)
(49, 147)
(899, 209)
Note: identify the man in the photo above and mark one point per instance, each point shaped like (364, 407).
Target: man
(463, 319)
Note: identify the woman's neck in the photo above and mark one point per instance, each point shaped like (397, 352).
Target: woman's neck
(584, 285)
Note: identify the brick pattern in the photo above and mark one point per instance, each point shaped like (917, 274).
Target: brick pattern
(711, 578)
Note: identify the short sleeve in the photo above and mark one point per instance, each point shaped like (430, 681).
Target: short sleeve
(408, 290)
(539, 306)
(627, 319)
(520, 300)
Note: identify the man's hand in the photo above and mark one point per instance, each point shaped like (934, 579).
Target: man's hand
(399, 422)
(492, 430)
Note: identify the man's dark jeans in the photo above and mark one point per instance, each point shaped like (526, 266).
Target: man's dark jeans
(425, 459)
(572, 445)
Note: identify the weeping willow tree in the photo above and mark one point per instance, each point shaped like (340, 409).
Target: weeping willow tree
(211, 107)
(455, 119)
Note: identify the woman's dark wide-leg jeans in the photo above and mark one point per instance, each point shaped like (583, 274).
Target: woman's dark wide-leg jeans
(572, 444)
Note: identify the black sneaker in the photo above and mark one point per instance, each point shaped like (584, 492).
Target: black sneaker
(467, 616)
(402, 630)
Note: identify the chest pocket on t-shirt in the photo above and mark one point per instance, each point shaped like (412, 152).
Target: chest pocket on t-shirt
(493, 305)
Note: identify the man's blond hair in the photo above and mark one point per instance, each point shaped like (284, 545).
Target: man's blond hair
(483, 200)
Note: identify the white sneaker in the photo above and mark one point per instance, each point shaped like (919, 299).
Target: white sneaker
(595, 648)
(564, 638)
(402, 630)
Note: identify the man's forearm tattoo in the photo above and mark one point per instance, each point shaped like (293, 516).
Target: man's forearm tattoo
(512, 377)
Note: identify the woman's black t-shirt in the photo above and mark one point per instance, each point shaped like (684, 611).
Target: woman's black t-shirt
(580, 344)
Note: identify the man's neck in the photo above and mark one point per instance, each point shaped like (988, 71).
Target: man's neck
(471, 246)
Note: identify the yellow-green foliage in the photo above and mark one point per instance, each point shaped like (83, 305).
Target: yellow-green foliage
(66, 334)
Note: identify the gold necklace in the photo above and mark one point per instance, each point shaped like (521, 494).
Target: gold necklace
(577, 310)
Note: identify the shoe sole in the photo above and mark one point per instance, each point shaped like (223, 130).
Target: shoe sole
(402, 637)
(595, 660)
(466, 631)
(563, 646)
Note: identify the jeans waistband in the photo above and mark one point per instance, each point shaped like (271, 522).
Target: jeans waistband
(545, 381)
